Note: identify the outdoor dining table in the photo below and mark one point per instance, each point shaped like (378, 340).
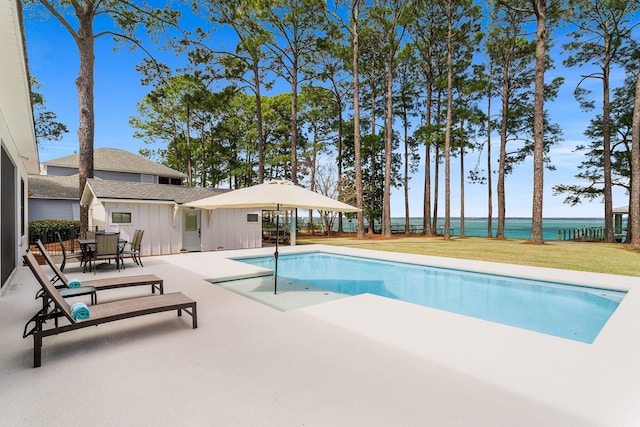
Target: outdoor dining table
(85, 245)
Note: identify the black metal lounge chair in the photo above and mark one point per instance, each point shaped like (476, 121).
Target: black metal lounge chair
(152, 280)
(100, 313)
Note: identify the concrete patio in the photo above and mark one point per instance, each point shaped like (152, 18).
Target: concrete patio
(358, 361)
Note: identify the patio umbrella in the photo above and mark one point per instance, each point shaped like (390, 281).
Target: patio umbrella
(273, 195)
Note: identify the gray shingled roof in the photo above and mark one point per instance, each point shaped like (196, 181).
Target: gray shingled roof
(105, 189)
(113, 159)
(53, 187)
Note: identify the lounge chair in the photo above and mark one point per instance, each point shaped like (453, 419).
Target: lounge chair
(99, 313)
(152, 280)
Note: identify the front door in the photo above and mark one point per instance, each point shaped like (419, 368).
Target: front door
(191, 230)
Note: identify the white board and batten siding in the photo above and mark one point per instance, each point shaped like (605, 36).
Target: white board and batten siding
(163, 225)
(232, 229)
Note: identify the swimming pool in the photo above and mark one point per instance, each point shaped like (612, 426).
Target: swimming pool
(567, 311)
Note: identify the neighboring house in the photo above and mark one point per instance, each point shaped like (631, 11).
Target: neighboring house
(619, 230)
(117, 165)
(53, 197)
(168, 226)
(18, 150)
(55, 194)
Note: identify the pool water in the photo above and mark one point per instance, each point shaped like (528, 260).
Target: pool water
(567, 311)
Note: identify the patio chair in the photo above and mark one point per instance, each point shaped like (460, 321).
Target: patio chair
(78, 256)
(107, 248)
(152, 280)
(134, 248)
(99, 313)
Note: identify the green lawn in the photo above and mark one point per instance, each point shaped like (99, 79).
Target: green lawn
(585, 256)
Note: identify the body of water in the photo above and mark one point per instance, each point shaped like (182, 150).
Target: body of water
(515, 228)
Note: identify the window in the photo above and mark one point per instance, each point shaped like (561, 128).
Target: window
(22, 199)
(150, 179)
(121, 217)
(252, 217)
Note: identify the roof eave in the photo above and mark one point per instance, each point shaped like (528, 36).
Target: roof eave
(140, 201)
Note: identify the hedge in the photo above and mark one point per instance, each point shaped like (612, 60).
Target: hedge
(46, 229)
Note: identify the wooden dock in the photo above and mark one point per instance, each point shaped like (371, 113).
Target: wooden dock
(581, 234)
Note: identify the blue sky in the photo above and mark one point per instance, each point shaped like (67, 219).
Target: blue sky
(53, 59)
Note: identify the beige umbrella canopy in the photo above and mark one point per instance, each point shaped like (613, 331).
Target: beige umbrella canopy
(273, 195)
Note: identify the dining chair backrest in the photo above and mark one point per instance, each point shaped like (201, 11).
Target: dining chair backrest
(134, 239)
(107, 244)
(137, 240)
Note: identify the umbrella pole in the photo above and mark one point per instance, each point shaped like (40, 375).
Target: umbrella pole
(275, 277)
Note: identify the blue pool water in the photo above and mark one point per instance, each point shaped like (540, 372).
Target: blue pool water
(567, 311)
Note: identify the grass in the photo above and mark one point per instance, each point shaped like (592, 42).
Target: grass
(608, 258)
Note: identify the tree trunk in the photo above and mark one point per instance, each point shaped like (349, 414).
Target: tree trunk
(356, 117)
(406, 171)
(503, 151)
(256, 79)
(634, 206)
(294, 122)
(372, 183)
(313, 162)
(188, 140)
(538, 123)
(339, 144)
(86, 125)
(447, 135)
(388, 147)
(203, 157)
(606, 150)
(436, 161)
(489, 179)
(426, 221)
(461, 183)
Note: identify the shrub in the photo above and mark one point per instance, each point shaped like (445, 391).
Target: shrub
(46, 230)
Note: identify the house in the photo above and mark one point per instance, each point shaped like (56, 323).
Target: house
(620, 226)
(18, 150)
(54, 195)
(130, 192)
(117, 165)
(169, 227)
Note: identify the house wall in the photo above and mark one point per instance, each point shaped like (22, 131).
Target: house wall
(229, 229)
(96, 215)
(162, 235)
(60, 171)
(13, 205)
(109, 175)
(19, 154)
(53, 209)
(117, 176)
